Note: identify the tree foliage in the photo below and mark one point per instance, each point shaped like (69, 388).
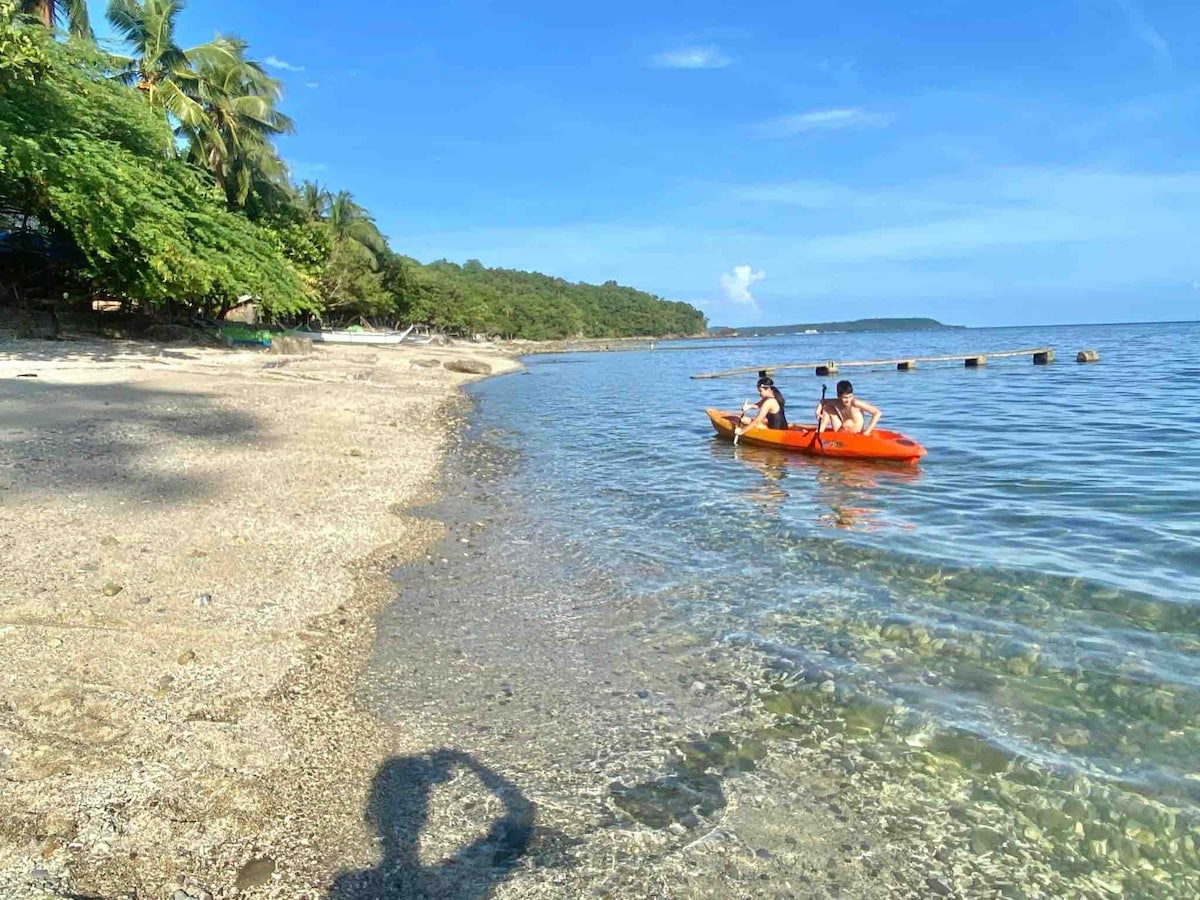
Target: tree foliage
(221, 102)
(531, 305)
(92, 163)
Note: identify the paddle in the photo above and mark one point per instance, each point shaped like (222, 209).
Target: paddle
(821, 408)
(746, 404)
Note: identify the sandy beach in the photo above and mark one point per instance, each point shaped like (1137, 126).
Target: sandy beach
(193, 545)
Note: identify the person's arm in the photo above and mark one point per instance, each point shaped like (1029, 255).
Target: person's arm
(876, 415)
(758, 419)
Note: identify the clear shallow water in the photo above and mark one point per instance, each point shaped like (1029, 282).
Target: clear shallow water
(995, 656)
(1034, 583)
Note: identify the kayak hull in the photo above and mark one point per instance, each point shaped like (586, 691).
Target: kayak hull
(885, 446)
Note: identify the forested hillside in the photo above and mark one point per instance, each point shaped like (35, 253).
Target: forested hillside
(535, 306)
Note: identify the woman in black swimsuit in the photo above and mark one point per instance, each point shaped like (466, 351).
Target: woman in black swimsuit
(770, 408)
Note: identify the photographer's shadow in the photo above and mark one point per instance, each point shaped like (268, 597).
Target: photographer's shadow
(398, 807)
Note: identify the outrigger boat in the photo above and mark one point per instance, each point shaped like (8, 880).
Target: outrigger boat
(890, 446)
(355, 336)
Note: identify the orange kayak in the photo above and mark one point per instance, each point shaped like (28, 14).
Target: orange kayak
(882, 445)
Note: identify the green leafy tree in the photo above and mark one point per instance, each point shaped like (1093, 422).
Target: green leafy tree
(223, 104)
(22, 50)
(354, 282)
(530, 305)
(159, 68)
(307, 246)
(98, 170)
(89, 162)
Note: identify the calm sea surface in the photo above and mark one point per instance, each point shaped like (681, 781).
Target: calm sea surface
(1030, 592)
(1057, 515)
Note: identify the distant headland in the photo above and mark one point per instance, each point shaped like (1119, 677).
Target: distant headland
(898, 324)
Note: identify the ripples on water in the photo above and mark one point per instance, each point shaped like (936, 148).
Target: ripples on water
(1034, 583)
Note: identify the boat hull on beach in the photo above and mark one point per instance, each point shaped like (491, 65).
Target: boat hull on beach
(884, 446)
(355, 337)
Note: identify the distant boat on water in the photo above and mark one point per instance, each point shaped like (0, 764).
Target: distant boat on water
(355, 336)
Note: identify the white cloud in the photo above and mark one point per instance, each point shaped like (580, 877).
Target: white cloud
(825, 120)
(276, 63)
(737, 284)
(1145, 31)
(312, 84)
(708, 56)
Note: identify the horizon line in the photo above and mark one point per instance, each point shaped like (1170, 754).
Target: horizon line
(948, 325)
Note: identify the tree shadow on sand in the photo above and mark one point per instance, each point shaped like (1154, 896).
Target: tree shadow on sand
(32, 353)
(106, 439)
(399, 808)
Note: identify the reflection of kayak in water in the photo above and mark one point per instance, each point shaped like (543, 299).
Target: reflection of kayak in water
(842, 493)
(880, 444)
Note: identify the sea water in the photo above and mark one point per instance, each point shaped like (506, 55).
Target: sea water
(1020, 612)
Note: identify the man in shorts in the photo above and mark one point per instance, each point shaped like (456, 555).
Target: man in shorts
(847, 412)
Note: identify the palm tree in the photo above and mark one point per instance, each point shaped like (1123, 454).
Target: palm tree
(240, 120)
(220, 102)
(159, 68)
(52, 13)
(350, 222)
(314, 200)
(354, 277)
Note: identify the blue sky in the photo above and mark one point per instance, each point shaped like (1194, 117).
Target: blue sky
(984, 164)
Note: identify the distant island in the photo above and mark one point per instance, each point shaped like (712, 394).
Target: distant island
(917, 324)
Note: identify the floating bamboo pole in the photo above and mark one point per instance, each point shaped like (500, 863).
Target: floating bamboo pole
(1041, 356)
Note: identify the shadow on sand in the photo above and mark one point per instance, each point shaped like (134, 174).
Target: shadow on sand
(399, 808)
(106, 439)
